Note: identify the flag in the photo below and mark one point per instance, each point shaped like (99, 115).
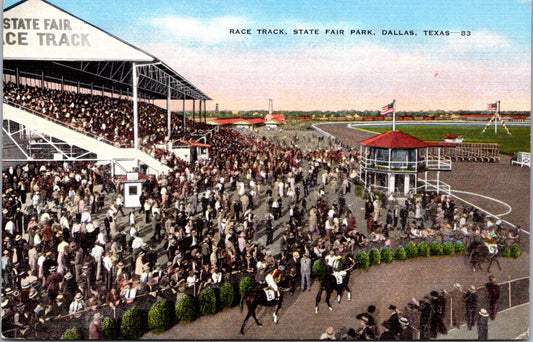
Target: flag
(492, 106)
(388, 109)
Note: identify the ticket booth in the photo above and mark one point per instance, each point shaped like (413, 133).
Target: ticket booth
(132, 184)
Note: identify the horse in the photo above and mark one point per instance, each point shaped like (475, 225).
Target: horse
(257, 297)
(479, 253)
(329, 283)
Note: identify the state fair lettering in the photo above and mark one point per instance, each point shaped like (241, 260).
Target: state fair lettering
(21, 31)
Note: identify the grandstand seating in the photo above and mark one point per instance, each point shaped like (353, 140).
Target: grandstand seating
(109, 119)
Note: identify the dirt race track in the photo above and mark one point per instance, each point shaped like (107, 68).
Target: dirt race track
(394, 283)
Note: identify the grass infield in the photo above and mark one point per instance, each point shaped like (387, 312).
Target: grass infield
(519, 141)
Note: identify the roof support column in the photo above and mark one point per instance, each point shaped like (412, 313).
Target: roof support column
(183, 112)
(17, 77)
(135, 109)
(193, 109)
(205, 111)
(169, 112)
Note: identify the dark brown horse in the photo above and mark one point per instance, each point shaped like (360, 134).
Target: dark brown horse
(478, 253)
(257, 297)
(330, 283)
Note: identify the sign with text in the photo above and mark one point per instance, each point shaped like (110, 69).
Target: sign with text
(38, 30)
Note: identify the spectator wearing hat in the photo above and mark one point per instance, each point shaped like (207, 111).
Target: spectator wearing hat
(129, 292)
(407, 332)
(493, 294)
(328, 335)
(482, 325)
(366, 330)
(52, 283)
(77, 305)
(69, 287)
(95, 329)
(393, 322)
(424, 306)
(438, 302)
(458, 311)
(471, 304)
(370, 320)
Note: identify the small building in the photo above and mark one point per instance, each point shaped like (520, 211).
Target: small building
(453, 139)
(273, 121)
(190, 151)
(395, 162)
(132, 183)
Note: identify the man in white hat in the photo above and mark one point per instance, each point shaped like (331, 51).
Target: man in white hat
(458, 313)
(483, 325)
(77, 305)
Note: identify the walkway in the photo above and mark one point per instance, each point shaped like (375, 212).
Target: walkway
(509, 324)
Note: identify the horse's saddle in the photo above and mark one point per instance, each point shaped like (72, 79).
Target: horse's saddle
(339, 276)
(493, 248)
(270, 294)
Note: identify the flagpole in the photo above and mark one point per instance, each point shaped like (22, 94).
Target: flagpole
(393, 115)
(497, 117)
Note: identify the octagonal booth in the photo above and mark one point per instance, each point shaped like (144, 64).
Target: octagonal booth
(396, 162)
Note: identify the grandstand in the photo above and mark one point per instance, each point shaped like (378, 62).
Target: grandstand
(80, 93)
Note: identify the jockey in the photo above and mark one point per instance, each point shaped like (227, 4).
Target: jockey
(272, 279)
(492, 246)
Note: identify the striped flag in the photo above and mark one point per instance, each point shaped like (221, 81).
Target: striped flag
(492, 106)
(388, 109)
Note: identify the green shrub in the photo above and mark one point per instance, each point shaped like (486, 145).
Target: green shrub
(375, 257)
(246, 284)
(411, 251)
(319, 269)
(71, 334)
(515, 251)
(131, 328)
(386, 255)
(506, 253)
(110, 329)
(160, 317)
(459, 248)
(435, 248)
(423, 249)
(362, 261)
(226, 295)
(400, 253)
(186, 309)
(448, 248)
(207, 302)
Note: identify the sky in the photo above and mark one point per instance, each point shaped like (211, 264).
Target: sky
(488, 59)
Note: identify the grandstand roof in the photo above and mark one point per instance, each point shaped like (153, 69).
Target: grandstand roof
(397, 139)
(44, 41)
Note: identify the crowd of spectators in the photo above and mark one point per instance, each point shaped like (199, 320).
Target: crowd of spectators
(108, 118)
(425, 318)
(70, 246)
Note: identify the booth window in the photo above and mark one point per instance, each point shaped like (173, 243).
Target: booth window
(132, 190)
